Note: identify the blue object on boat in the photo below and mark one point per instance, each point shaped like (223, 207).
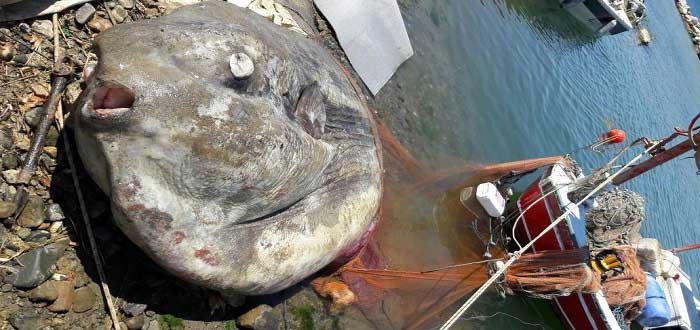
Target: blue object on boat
(656, 312)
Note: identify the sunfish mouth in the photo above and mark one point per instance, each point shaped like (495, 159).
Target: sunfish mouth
(108, 103)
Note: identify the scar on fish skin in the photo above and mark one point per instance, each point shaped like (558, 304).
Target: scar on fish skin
(206, 256)
(310, 111)
(179, 236)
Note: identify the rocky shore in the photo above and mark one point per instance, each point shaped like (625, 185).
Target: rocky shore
(692, 24)
(48, 278)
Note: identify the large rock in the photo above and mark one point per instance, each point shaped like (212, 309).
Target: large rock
(37, 265)
(64, 297)
(46, 292)
(27, 319)
(243, 184)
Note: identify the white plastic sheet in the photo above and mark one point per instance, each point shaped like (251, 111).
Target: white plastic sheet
(373, 36)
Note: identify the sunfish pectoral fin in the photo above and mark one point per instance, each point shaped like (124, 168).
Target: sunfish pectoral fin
(310, 111)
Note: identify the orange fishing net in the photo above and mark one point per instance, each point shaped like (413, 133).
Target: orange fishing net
(419, 297)
(625, 289)
(403, 279)
(549, 274)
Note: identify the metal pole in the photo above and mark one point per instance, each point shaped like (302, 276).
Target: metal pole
(655, 161)
(686, 248)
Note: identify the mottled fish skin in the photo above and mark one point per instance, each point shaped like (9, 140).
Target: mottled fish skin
(245, 186)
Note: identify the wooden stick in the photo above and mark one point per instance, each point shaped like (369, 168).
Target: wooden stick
(57, 60)
(19, 79)
(91, 238)
(109, 13)
(57, 86)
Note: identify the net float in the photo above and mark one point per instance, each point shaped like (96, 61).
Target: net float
(613, 136)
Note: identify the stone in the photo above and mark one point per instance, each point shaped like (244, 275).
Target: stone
(128, 4)
(135, 323)
(56, 227)
(20, 58)
(23, 232)
(52, 136)
(39, 90)
(84, 300)
(262, 317)
(7, 287)
(10, 176)
(123, 325)
(65, 296)
(6, 141)
(7, 51)
(46, 292)
(37, 265)
(154, 324)
(38, 236)
(120, 14)
(43, 27)
(84, 13)
(152, 12)
(7, 209)
(12, 241)
(9, 161)
(27, 319)
(33, 214)
(51, 151)
(134, 309)
(99, 24)
(33, 117)
(21, 141)
(72, 92)
(241, 66)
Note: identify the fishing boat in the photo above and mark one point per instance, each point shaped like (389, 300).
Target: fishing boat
(591, 310)
(570, 237)
(606, 17)
(551, 216)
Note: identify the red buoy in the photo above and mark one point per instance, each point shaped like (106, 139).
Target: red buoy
(613, 136)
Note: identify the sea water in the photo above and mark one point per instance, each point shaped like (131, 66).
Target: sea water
(502, 80)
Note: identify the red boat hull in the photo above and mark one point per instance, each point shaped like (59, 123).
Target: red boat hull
(577, 311)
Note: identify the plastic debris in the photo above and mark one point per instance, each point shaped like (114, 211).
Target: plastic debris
(372, 34)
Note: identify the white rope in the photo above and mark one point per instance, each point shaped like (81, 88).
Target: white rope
(455, 317)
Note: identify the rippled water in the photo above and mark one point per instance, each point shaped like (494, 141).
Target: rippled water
(496, 80)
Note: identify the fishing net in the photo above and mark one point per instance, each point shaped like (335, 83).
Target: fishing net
(417, 298)
(425, 257)
(625, 289)
(615, 219)
(427, 253)
(550, 274)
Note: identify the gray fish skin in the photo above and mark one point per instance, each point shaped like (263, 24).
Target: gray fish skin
(232, 184)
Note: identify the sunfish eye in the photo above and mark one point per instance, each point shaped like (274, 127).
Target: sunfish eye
(241, 65)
